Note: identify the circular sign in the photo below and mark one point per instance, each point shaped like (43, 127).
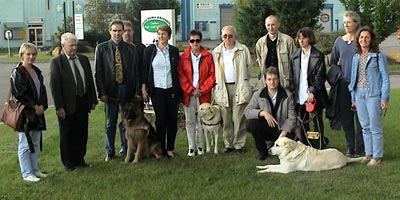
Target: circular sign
(324, 17)
(8, 34)
(152, 25)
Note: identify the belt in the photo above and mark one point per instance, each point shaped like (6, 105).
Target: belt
(230, 83)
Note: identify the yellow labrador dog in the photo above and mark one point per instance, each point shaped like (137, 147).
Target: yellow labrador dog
(295, 156)
(211, 121)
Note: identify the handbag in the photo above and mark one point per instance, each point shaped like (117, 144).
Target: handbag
(12, 114)
(334, 74)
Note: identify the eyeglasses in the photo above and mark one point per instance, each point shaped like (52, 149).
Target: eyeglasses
(195, 40)
(229, 36)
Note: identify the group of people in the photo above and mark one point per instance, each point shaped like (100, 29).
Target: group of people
(125, 70)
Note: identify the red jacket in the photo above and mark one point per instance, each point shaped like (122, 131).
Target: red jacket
(206, 75)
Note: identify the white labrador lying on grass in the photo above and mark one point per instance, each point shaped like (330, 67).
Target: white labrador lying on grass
(295, 156)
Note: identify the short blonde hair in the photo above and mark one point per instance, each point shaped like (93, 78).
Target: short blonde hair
(24, 46)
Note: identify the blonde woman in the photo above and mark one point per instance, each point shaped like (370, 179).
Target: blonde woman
(27, 88)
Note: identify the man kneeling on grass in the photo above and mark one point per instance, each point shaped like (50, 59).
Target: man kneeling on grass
(271, 113)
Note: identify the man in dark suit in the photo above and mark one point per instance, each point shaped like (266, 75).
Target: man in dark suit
(74, 95)
(117, 79)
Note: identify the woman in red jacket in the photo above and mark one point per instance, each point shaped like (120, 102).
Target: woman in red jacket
(196, 77)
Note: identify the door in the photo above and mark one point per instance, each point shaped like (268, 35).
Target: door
(36, 36)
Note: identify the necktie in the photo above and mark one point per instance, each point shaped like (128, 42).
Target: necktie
(78, 77)
(119, 75)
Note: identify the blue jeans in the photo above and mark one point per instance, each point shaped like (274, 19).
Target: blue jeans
(111, 110)
(369, 113)
(27, 160)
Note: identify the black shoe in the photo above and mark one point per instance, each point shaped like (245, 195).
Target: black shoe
(122, 151)
(109, 157)
(239, 151)
(228, 150)
(261, 157)
(69, 169)
(350, 152)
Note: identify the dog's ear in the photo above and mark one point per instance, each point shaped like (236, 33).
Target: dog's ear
(289, 145)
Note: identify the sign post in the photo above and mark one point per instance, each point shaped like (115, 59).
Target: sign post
(9, 37)
(78, 20)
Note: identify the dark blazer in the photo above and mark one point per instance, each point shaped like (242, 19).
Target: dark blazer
(105, 70)
(24, 91)
(316, 75)
(62, 83)
(147, 72)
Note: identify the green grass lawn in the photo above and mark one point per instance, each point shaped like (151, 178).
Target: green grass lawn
(202, 177)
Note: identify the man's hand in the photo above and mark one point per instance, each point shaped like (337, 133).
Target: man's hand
(93, 107)
(269, 118)
(61, 113)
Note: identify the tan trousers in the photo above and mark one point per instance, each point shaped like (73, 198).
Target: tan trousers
(234, 121)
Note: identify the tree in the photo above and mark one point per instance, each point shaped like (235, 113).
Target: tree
(294, 14)
(250, 20)
(382, 16)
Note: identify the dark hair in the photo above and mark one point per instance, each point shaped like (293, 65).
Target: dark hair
(116, 21)
(196, 32)
(165, 28)
(306, 32)
(271, 70)
(374, 46)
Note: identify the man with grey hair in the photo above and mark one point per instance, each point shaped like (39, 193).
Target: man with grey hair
(74, 95)
(274, 50)
(232, 91)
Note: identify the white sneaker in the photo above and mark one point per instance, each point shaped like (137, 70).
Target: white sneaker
(31, 178)
(191, 152)
(200, 151)
(39, 174)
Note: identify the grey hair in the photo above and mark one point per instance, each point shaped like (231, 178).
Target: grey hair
(68, 36)
(355, 17)
(229, 26)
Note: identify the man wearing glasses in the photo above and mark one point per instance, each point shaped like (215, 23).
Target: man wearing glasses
(232, 91)
(274, 49)
(196, 78)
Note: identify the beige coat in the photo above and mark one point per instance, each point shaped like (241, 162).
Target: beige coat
(285, 47)
(242, 65)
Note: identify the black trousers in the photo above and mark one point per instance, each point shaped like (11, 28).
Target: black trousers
(74, 134)
(349, 119)
(166, 106)
(262, 132)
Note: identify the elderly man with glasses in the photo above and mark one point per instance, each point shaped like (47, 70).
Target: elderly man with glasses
(232, 91)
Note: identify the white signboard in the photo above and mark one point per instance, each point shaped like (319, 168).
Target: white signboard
(79, 26)
(152, 19)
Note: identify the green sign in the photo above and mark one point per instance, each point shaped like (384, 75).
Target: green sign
(151, 25)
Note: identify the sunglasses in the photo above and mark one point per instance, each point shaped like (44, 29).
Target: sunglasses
(195, 40)
(229, 36)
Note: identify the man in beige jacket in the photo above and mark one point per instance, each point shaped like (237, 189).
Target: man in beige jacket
(232, 91)
(274, 50)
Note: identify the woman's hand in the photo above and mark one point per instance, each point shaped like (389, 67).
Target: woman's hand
(39, 110)
(384, 104)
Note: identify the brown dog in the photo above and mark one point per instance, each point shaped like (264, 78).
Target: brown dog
(140, 135)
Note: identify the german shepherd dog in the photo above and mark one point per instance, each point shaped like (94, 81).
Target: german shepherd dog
(139, 133)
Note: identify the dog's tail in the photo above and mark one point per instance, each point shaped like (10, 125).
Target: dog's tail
(350, 160)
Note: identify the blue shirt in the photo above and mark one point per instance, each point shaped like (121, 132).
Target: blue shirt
(343, 52)
(162, 69)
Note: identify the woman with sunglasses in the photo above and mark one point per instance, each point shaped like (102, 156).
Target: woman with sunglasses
(196, 77)
(161, 83)
(370, 90)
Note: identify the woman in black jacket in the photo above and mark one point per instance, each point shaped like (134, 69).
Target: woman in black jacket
(27, 88)
(160, 82)
(308, 79)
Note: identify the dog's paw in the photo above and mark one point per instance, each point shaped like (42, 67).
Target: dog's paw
(262, 167)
